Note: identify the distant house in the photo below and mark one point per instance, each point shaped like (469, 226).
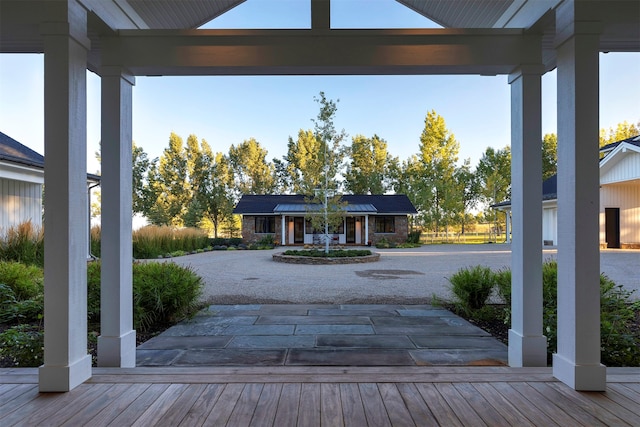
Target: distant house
(367, 219)
(619, 198)
(21, 181)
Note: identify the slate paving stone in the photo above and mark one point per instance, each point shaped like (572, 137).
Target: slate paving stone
(349, 357)
(239, 307)
(425, 312)
(191, 330)
(259, 330)
(313, 320)
(221, 319)
(294, 309)
(364, 341)
(461, 342)
(231, 357)
(408, 321)
(385, 307)
(156, 357)
(333, 329)
(348, 312)
(272, 341)
(458, 357)
(185, 343)
(434, 330)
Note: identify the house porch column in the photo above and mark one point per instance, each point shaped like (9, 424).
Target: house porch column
(507, 224)
(527, 345)
(284, 242)
(117, 342)
(366, 229)
(66, 362)
(577, 361)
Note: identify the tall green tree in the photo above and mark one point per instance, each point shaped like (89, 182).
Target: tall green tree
(549, 155)
(251, 172)
(303, 163)
(370, 169)
(141, 164)
(622, 131)
(437, 162)
(494, 176)
(169, 184)
(467, 193)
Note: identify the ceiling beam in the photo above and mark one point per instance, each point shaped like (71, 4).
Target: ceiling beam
(327, 52)
(320, 14)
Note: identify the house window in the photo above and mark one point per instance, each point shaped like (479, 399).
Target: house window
(310, 230)
(265, 224)
(385, 224)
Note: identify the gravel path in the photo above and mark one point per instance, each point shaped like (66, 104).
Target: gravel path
(407, 276)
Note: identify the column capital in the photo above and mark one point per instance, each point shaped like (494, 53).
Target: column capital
(526, 69)
(118, 71)
(64, 29)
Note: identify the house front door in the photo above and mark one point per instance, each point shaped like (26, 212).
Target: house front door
(351, 230)
(612, 227)
(298, 230)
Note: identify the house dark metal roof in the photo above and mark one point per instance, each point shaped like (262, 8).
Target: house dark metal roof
(385, 204)
(12, 151)
(549, 192)
(315, 207)
(634, 140)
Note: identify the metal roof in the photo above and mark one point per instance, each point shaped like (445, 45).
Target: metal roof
(315, 207)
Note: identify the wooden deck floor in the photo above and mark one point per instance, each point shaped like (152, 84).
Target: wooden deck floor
(321, 396)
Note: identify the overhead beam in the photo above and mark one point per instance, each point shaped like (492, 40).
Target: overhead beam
(312, 52)
(320, 14)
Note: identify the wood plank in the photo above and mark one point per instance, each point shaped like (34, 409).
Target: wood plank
(570, 406)
(462, 409)
(545, 405)
(59, 410)
(394, 404)
(287, 412)
(524, 406)
(246, 405)
(501, 404)
(116, 406)
(138, 406)
(267, 406)
(89, 412)
(626, 391)
(374, 408)
(155, 412)
(625, 399)
(633, 386)
(6, 388)
(438, 405)
(309, 412)
(420, 412)
(483, 408)
(587, 404)
(330, 405)
(197, 414)
(352, 408)
(17, 397)
(600, 399)
(179, 409)
(223, 407)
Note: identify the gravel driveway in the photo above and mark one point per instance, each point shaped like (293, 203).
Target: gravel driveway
(409, 276)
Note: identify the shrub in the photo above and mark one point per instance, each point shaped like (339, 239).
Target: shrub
(95, 241)
(153, 241)
(472, 287)
(26, 281)
(93, 291)
(23, 243)
(414, 237)
(331, 254)
(163, 292)
(502, 280)
(22, 345)
(382, 243)
(267, 240)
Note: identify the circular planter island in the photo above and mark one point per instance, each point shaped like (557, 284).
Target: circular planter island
(295, 257)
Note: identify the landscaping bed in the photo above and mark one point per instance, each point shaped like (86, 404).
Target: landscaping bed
(319, 257)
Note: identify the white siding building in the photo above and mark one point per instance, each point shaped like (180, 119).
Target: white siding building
(21, 180)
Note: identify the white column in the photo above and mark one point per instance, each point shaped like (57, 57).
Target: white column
(117, 342)
(577, 362)
(284, 242)
(507, 222)
(66, 362)
(366, 229)
(527, 345)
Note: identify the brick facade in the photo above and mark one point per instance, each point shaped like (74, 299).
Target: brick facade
(401, 230)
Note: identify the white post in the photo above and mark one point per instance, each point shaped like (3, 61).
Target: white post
(66, 362)
(527, 344)
(366, 229)
(117, 342)
(577, 361)
(507, 222)
(283, 224)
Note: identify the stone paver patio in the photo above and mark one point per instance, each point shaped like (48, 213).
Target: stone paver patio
(323, 335)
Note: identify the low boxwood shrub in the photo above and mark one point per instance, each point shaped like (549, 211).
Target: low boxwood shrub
(472, 287)
(26, 281)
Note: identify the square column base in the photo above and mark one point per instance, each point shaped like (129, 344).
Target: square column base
(64, 378)
(119, 352)
(580, 377)
(527, 351)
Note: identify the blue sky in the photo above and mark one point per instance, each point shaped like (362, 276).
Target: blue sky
(229, 110)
